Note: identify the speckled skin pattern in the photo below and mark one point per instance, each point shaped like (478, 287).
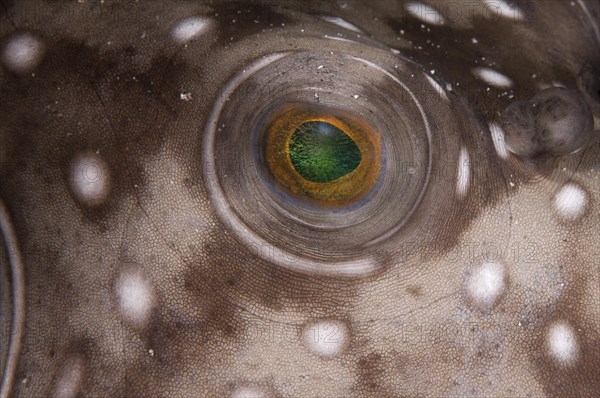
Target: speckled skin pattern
(147, 253)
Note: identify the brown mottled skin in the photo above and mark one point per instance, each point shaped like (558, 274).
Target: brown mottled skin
(222, 316)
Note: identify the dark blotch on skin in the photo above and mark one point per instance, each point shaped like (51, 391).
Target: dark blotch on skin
(555, 121)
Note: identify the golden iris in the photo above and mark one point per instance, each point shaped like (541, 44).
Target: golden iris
(326, 155)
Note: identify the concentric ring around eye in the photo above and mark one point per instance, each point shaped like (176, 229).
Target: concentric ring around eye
(261, 195)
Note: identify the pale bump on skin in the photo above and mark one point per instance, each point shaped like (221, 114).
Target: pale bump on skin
(498, 140)
(22, 52)
(189, 28)
(486, 283)
(562, 343)
(571, 202)
(135, 297)
(325, 338)
(90, 179)
(69, 380)
(504, 9)
(226, 320)
(424, 13)
(493, 77)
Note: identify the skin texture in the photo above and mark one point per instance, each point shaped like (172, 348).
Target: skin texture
(480, 277)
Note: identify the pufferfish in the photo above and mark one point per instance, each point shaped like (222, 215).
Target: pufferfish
(300, 199)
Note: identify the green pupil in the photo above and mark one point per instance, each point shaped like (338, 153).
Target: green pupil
(320, 152)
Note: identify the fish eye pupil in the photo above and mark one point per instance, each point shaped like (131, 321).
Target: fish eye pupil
(320, 152)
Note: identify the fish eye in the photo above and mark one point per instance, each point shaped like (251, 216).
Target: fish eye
(328, 156)
(325, 168)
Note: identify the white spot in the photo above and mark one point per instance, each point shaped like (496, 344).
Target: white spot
(185, 96)
(69, 380)
(338, 39)
(486, 283)
(134, 296)
(504, 10)
(464, 173)
(90, 178)
(498, 140)
(248, 392)
(187, 29)
(436, 86)
(424, 13)
(492, 77)
(562, 343)
(342, 23)
(474, 40)
(325, 338)
(570, 201)
(22, 52)
(356, 96)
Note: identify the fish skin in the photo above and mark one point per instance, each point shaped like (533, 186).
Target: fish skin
(139, 284)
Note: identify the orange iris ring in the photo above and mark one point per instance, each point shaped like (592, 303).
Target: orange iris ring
(340, 191)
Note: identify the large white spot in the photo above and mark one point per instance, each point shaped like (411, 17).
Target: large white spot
(562, 343)
(325, 338)
(185, 30)
(69, 379)
(464, 173)
(498, 140)
(424, 13)
(504, 10)
(342, 23)
(486, 283)
(134, 296)
(22, 52)
(492, 77)
(570, 201)
(436, 87)
(90, 178)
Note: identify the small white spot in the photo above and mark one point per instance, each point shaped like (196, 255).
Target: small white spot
(319, 67)
(474, 40)
(504, 10)
(571, 201)
(464, 173)
(189, 28)
(22, 52)
(90, 178)
(342, 23)
(424, 13)
(436, 87)
(135, 297)
(355, 96)
(492, 77)
(325, 338)
(498, 140)
(486, 283)
(69, 380)
(185, 96)
(562, 343)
